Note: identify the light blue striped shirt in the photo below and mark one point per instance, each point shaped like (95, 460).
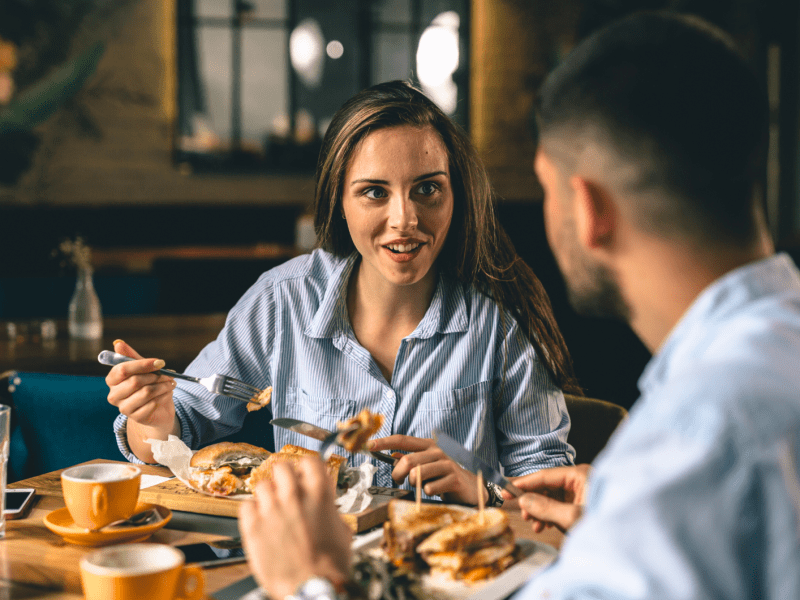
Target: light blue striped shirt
(291, 330)
(697, 496)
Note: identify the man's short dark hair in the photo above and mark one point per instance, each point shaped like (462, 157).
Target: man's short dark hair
(670, 95)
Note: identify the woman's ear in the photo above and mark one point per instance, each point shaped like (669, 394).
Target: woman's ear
(594, 213)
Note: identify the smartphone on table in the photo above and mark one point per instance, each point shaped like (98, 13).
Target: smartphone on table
(212, 554)
(18, 502)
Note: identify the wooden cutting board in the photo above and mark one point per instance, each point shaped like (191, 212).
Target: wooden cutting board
(177, 496)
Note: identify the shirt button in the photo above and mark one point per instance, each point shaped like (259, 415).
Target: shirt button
(390, 394)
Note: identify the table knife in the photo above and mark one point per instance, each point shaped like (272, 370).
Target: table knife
(472, 463)
(318, 433)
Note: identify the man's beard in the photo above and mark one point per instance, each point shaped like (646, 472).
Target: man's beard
(592, 288)
(595, 293)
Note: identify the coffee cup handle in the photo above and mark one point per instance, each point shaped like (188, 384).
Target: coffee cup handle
(191, 584)
(99, 500)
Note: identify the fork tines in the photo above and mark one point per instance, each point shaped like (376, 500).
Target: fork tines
(239, 389)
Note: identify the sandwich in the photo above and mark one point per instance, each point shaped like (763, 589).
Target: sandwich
(260, 400)
(407, 526)
(473, 549)
(225, 468)
(293, 454)
(358, 430)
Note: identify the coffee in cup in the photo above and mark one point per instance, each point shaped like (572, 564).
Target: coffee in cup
(137, 571)
(101, 493)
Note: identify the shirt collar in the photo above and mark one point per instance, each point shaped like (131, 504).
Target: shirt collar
(331, 317)
(447, 312)
(724, 296)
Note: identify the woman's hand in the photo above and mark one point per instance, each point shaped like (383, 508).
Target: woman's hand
(440, 475)
(557, 499)
(292, 531)
(144, 397)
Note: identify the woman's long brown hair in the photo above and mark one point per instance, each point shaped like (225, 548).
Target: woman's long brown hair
(477, 250)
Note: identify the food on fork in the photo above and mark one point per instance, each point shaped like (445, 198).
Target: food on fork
(225, 468)
(408, 526)
(293, 454)
(358, 430)
(472, 550)
(260, 400)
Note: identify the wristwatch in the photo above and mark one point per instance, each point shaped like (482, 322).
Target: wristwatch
(495, 497)
(316, 588)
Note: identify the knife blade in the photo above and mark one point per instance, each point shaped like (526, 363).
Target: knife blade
(318, 433)
(472, 463)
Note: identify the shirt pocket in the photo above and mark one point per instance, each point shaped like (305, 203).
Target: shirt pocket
(321, 411)
(464, 413)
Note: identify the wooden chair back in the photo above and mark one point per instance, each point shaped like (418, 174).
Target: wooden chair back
(593, 422)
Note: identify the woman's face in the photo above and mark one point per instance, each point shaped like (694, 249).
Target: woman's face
(398, 203)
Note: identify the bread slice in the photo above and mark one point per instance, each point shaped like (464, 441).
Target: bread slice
(292, 454)
(228, 453)
(474, 549)
(407, 526)
(467, 532)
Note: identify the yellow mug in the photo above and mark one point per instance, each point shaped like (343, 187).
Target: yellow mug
(99, 494)
(139, 571)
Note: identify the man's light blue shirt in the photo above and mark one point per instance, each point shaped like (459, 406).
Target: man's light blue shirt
(697, 495)
(464, 369)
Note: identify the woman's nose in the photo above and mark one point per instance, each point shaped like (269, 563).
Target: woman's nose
(402, 214)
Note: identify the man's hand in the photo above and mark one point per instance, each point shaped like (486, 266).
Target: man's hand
(292, 531)
(440, 475)
(557, 499)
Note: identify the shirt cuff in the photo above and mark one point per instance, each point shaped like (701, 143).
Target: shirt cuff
(121, 433)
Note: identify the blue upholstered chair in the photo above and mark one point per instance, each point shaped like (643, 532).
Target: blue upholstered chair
(61, 420)
(58, 421)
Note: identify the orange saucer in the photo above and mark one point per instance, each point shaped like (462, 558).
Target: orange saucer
(60, 522)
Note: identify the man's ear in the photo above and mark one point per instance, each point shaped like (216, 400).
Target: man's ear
(594, 213)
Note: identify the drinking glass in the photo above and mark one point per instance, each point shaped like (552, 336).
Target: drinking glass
(5, 441)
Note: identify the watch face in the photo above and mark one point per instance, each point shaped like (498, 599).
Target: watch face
(317, 588)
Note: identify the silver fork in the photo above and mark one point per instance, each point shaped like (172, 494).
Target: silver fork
(216, 384)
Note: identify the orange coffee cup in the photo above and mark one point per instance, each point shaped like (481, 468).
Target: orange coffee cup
(138, 571)
(99, 494)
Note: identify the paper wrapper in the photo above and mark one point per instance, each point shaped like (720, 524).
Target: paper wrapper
(175, 455)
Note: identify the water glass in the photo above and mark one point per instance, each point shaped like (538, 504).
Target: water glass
(5, 442)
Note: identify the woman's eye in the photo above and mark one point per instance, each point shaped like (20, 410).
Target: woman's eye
(374, 193)
(427, 188)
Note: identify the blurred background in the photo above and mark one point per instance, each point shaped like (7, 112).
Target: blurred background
(178, 138)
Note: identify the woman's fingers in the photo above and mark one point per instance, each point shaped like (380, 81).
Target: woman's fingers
(122, 347)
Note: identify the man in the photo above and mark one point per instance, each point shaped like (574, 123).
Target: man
(652, 136)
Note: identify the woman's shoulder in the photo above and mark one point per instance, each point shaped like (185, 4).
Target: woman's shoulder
(317, 266)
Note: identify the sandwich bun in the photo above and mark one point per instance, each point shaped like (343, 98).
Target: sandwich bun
(291, 455)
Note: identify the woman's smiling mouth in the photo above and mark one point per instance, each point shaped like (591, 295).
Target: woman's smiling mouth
(403, 248)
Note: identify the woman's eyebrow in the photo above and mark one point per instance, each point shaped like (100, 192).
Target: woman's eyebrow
(384, 182)
(427, 175)
(381, 181)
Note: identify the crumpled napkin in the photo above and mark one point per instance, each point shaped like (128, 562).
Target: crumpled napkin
(357, 497)
(175, 455)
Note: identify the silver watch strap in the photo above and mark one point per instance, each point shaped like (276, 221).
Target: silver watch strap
(495, 495)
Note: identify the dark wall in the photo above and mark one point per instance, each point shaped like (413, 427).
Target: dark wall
(607, 355)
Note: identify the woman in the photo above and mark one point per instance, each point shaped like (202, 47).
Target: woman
(415, 306)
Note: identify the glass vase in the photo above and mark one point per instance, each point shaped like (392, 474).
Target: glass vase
(85, 318)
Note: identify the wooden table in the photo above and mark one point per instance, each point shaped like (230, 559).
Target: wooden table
(36, 563)
(177, 339)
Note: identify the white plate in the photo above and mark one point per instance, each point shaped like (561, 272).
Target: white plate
(536, 556)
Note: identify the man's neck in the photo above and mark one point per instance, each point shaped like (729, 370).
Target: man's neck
(662, 280)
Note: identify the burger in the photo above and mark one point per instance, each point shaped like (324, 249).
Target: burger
(225, 468)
